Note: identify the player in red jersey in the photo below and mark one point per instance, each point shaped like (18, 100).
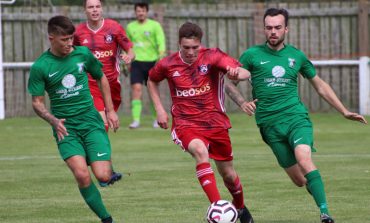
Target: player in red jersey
(105, 38)
(200, 125)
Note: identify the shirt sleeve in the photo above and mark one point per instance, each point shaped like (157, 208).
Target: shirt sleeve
(36, 82)
(158, 72)
(307, 69)
(246, 60)
(93, 65)
(161, 40)
(222, 60)
(122, 39)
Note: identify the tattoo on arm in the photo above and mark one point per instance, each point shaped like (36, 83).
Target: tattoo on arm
(234, 94)
(39, 107)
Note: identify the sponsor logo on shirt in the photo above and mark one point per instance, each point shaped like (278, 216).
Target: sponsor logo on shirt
(103, 54)
(277, 81)
(108, 38)
(193, 91)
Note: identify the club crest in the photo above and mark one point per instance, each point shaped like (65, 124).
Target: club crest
(108, 38)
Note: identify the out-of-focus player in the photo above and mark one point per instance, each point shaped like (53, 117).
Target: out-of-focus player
(200, 125)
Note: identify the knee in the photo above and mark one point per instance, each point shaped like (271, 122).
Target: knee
(104, 176)
(83, 178)
(200, 154)
(300, 182)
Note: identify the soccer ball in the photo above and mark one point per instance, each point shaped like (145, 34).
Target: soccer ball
(222, 212)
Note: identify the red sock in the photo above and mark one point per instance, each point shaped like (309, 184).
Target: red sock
(236, 191)
(207, 180)
(106, 127)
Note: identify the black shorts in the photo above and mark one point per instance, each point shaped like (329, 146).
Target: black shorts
(140, 71)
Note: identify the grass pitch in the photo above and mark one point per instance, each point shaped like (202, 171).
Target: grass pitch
(36, 186)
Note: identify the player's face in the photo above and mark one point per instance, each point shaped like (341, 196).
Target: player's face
(189, 49)
(93, 10)
(61, 45)
(275, 30)
(141, 14)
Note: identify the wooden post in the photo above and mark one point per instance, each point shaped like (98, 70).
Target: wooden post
(258, 23)
(363, 24)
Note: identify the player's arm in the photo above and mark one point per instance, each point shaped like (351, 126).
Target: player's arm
(128, 56)
(162, 117)
(38, 104)
(237, 73)
(328, 94)
(112, 117)
(233, 92)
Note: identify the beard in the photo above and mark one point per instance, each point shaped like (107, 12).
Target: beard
(275, 42)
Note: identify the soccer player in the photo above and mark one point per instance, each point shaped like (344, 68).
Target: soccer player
(149, 46)
(280, 115)
(105, 38)
(78, 128)
(200, 125)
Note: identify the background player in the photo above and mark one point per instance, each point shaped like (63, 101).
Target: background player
(78, 128)
(149, 46)
(105, 38)
(280, 115)
(200, 126)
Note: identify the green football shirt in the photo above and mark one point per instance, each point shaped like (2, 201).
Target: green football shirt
(148, 38)
(275, 81)
(65, 80)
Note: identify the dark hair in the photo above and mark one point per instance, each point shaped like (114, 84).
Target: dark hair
(142, 5)
(84, 2)
(60, 25)
(191, 31)
(275, 12)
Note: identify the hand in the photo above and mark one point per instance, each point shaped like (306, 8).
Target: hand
(60, 129)
(162, 119)
(355, 117)
(126, 58)
(113, 120)
(232, 73)
(249, 107)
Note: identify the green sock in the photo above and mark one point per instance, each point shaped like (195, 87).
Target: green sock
(316, 186)
(93, 199)
(136, 108)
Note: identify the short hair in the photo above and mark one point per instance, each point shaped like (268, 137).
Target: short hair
(142, 5)
(85, 1)
(60, 25)
(275, 12)
(191, 31)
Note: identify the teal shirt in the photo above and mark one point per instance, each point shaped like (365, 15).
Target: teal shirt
(65, 80)
(275, 81)
(148, 38)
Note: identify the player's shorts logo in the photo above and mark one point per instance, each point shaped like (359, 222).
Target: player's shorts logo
(69, 81)
(278, 71)
(108, 38)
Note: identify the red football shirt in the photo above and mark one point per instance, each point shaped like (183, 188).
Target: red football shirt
(197, 90)
(105, 43)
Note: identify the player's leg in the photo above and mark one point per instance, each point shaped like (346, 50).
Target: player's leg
(136, 79)
(88, 190)
(191, 141)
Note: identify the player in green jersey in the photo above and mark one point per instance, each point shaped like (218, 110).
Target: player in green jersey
(78, 128)
(280, 115)
(149, 46)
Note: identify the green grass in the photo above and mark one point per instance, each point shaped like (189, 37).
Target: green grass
(36, 186)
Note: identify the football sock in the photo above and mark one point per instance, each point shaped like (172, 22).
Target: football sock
(136, 108)
(316, 186)
(207, 180)
(236, 191)
(93, 199)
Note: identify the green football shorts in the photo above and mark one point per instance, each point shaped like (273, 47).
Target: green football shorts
(86, 137)
(284, 137)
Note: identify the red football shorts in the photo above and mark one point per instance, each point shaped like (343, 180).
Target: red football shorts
(115, 91)
(217, 141)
